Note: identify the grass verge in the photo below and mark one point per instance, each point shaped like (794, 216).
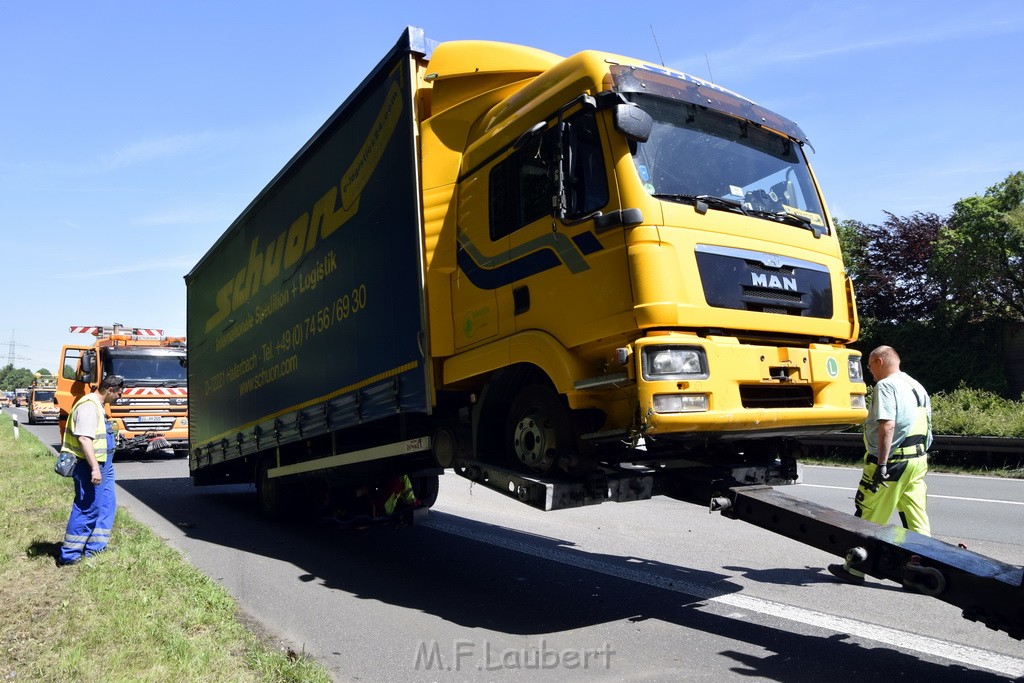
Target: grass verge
(136, 613)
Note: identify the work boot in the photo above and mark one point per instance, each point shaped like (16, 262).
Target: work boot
(843, 574)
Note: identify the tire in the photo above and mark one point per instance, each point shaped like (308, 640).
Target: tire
(538, 430)
(272, 495)
(426, 488)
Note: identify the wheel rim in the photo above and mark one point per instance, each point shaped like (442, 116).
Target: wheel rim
(534, 440)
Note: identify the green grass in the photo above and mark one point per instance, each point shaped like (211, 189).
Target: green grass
(136, 613)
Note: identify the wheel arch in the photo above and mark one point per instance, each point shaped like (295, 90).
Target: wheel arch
(525, 349)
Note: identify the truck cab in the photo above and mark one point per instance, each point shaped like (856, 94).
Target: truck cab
(152, 412)
(637, 252)
(42, 401)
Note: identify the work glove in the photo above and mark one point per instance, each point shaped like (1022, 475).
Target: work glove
(881, 475)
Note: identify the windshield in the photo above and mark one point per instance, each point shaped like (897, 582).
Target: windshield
(695, 152)
(46, 395)
(148, 369)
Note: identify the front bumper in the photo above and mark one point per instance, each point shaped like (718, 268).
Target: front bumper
(749, 389)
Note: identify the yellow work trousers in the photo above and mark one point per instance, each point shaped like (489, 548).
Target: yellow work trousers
(905, 492)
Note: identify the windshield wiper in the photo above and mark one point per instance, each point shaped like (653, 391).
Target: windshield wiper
(790, 219)
(704, 201)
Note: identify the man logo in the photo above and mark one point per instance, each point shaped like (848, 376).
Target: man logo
(787, 284)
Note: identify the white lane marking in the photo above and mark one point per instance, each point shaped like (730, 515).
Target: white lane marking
(930, 495)
(976, 500)
(890, 637)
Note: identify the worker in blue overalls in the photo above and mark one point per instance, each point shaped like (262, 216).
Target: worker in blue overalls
(90, 439)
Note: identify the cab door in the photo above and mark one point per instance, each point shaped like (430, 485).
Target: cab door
(478, 293)
(73, 379)
(569, 274)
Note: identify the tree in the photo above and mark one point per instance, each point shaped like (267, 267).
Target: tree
(902, 302)
(889, 266)
(981, 252)
(12, 378)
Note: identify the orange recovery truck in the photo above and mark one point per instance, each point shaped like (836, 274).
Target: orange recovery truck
(152, 413)
(42, 406)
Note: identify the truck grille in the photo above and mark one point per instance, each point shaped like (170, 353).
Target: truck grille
(136, 424)
(776, 396)
(764, 283)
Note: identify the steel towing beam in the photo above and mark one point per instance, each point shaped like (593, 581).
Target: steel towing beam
(987, 590)
(605, 485)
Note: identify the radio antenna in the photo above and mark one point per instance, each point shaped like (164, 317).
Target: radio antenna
(711, 76)
(657, 47)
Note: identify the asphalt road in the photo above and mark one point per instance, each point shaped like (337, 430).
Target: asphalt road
(486, 588)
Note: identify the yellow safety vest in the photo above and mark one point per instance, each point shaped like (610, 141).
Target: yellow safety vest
(99, 442)
(916, 441)
(406, 495)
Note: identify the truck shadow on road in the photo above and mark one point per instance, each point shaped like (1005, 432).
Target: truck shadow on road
(481, 576)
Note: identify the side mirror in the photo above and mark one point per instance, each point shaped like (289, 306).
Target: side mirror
(633, 122)
(88, 366)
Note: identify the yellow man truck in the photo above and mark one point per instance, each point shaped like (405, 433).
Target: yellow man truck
(151, 416)
(574, 280)
(42, 404)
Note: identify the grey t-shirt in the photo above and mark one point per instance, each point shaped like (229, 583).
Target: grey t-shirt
(86, 419)
(895, 399)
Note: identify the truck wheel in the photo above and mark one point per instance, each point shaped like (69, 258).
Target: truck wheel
(271, 494)
(538, 429)
(426, 488)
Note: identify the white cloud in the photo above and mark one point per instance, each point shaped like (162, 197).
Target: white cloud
(162, 148)
(768, 50)
(176, 263)
(184, 217)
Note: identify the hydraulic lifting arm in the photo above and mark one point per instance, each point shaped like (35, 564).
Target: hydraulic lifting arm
(986, 590)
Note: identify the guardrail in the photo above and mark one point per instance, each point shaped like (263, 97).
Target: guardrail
(997, 451)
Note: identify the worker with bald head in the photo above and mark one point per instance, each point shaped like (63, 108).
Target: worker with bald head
(897, 435)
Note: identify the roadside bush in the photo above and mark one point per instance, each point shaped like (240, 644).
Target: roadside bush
(975, 412)
(964, 412)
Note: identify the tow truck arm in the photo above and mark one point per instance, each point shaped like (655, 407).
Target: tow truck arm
(987, 590)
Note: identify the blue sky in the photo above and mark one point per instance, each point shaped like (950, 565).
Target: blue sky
(133, 133)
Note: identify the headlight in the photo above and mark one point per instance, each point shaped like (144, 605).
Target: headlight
(856, 371)
(680, 403)
(858, 401)
(674, 362)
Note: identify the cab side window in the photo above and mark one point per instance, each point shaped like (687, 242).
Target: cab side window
(522, 186)
(72, 360)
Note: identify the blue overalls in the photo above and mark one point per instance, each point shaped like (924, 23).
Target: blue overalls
(94, 507)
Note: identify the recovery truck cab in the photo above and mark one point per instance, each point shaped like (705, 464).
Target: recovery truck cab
(42, 401)
(152, 412)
